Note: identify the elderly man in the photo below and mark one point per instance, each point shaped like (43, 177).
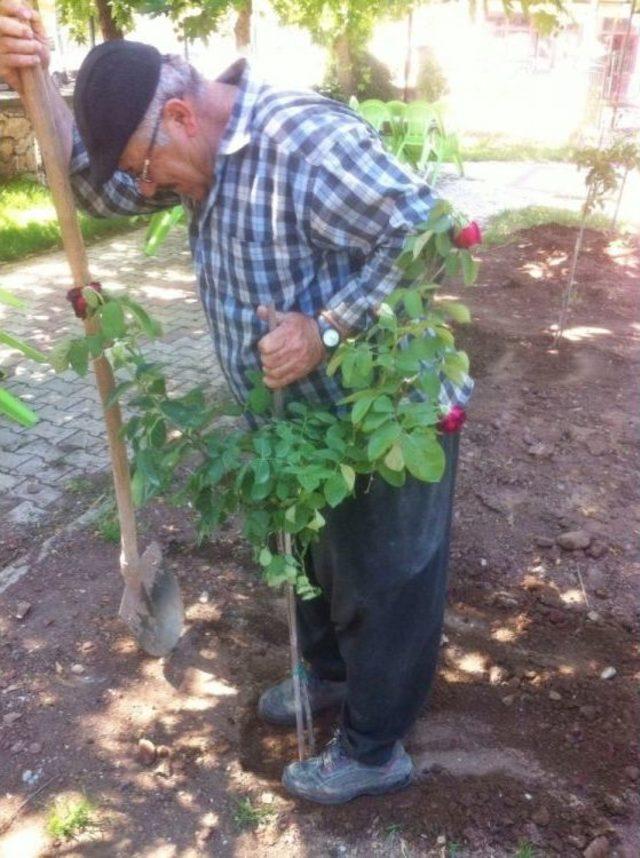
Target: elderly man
(292, 201)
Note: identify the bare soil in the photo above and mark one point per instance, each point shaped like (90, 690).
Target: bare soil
(524, 743)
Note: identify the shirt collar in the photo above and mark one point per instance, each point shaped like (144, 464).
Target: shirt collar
(237, 133)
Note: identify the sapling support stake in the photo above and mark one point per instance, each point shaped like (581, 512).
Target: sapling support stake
(300, 691)
(151, 604)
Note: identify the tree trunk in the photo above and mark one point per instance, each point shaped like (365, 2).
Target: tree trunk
(242, 28)
(342, 60)
(110, 30)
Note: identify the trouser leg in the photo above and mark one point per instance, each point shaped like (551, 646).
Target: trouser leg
(382, 563)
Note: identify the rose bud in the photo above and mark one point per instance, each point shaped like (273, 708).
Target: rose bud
(468, 236)
(78, 302)
(453, 421)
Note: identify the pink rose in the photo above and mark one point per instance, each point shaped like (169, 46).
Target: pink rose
(453, 421)
(468, 236)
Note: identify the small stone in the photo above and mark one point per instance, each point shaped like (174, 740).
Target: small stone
(503, 599)
(164, 752)
(203, 598)
(444, 640)
(593, 617)
(87, 646)
(540, 451)
(574, 540)
(497, 675)
(146, 753)
(608, 673)
(598, 848)
(441, 840)
(78, 669)
(163, 770)
(576, 840)
(632, 772)
(544, 542)
(554, 695)
(590, 713)
(11, 718)
(17, 747)
(22, 609)
(613, 804)
(601, 593)
(508, 700)
(267, 798)
(541, 816)
(597, 549)
(35, 748)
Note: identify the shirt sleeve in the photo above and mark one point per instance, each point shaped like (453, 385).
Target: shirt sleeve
(119, 196)
(364, 200)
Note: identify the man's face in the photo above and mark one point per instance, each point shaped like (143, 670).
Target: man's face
(172, 165)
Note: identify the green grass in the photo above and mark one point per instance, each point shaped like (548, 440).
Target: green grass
(509, 221)
(68, 819)
(525, 850)
(28, 222)
(107, 525)
(497, 147)
(247, 817)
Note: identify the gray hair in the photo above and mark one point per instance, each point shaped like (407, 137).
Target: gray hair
(177, 79)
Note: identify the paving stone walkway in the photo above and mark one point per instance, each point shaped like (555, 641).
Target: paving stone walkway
(36, 465)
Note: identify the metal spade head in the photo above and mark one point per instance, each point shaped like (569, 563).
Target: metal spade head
(151, 604)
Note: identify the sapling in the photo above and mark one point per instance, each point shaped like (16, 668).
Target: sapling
(281, 474)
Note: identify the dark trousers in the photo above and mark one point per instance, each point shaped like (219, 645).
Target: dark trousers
(382, 565)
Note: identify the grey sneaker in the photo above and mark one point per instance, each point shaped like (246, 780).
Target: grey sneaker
(334, 777)
(276, 704)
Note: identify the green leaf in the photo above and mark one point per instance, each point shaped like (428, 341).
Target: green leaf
(349, 476)
(259, 400)
(150, 326)
(394, 460)
(443, 244)
(423, 457)
(79, 356)
(394, 478)
(112, 320)
(335, 490)
(361, 407)
(16, 410)
(265, 557)
(138, 488)
(158, 433)
(59, 354)
(469, 267)
(117, 392)
(457, 311)
(421, 242)
(413, 304)
(21, 346)
(382, 439)
(10, 300)
(261, 470)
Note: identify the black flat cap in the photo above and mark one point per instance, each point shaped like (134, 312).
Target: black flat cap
(114, 88)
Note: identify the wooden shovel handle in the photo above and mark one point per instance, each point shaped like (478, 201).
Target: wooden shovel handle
(35, 96)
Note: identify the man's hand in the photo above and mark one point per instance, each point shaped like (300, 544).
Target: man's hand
(23, 41)
(292, 350)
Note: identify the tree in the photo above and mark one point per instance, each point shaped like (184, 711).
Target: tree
(342, 26)
(193, 18)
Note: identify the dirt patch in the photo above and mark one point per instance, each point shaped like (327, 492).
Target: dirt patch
(523, 741)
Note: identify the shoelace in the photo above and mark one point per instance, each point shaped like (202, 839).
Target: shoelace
(333, 753)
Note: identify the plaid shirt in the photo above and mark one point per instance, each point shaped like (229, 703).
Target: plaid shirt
(306, 211)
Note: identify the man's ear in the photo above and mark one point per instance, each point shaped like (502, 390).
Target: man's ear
(180, 114)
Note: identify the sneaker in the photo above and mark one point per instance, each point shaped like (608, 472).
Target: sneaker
(334, 777)
(276, 704)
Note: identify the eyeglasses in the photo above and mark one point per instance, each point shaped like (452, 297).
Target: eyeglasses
(145, 174)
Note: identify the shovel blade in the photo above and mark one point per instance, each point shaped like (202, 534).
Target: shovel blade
(151, 605)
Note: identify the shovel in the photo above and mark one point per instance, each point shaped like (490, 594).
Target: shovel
(151, 604)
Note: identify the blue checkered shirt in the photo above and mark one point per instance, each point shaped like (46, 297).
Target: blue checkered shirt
(306, 211)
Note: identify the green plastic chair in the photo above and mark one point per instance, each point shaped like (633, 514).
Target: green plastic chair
(375, 112)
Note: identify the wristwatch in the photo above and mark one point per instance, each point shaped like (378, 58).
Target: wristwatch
(329, 335)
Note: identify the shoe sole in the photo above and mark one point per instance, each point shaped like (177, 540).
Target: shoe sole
(373, 791)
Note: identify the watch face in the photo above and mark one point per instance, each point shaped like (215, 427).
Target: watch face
(331, 338)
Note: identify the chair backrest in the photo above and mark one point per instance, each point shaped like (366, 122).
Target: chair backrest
(418, 117)
(397, 109)
(375, 112)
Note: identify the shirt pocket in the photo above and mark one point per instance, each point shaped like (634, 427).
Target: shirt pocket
(262, 273)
